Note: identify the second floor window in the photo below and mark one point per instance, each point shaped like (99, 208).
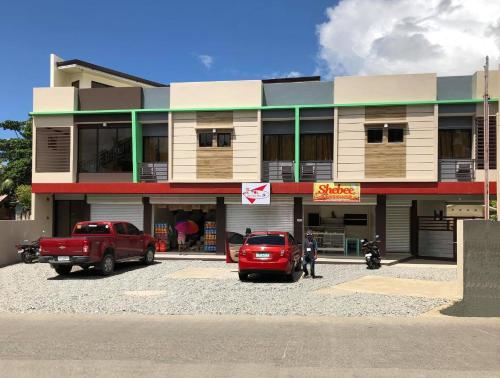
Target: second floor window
(205, 139)
(104, 149)
(155, 149)
(374, 135)
(279, 147)
(455, 144)
(224, 140)
(316, 147)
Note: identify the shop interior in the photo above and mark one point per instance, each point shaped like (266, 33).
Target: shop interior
(339, 229)
(184, 228)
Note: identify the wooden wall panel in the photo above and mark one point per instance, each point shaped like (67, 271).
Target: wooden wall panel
(385, 114)
(385, 160)
(214, 163)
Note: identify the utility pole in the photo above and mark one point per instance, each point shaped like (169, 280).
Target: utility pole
(486, 135)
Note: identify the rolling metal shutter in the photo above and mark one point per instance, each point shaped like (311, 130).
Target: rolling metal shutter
(131, 213)
(398, 229)
(277, 217)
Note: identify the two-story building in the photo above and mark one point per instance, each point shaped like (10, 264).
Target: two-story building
(109, 145)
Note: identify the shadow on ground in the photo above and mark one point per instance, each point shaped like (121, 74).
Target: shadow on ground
(94, 274)
(473, 308)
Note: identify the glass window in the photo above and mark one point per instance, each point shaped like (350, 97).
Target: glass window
(279, 147)
(266, 240)
(155, 149)
(104, 149)
(316, 147)
(224, 140)
(87, 150)
(395, 135)
(205, 139)
(91, 229)
(120, 229)
(132, 230)
(455, 144)
(374, 135)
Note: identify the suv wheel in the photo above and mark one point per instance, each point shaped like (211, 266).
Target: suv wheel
(149, 258)
(63, 270)
(107, 265)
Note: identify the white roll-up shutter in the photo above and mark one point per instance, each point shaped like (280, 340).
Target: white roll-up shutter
(131, 213)
(277, 217)
(398, 229)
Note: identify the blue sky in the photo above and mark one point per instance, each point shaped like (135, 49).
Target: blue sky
(159, 40)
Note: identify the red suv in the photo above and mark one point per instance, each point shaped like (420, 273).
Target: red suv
(266, 252)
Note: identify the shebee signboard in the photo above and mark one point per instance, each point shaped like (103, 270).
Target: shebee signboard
(255, 193)
(336, 192)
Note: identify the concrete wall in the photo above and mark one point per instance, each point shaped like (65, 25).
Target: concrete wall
(247, 148)
(54, 99)
(312, 92)
(216, 94)
(454, 87)
(478, 259)
(416, 87)
(56, 177)
(493, 84)
(14, 232)
(421, 144)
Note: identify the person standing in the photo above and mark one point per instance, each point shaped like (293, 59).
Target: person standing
(310, 253)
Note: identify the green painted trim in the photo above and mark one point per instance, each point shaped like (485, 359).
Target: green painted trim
(277, 107)
(297, 144)
(136, 147)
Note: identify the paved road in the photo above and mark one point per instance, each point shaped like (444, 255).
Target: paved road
(230, 346)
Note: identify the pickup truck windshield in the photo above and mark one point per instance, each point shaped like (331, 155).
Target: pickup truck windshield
(266, 240)
(92, 229)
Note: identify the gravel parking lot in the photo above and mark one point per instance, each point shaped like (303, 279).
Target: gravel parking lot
(168, 287)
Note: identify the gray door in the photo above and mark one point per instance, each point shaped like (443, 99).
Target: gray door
(398, 229)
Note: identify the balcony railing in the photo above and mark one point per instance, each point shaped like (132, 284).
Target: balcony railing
(280, 170)
(154, 172)
(316, 170)
(284, 170)
(456, 169)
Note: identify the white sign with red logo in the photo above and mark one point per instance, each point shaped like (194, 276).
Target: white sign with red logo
(255, 193)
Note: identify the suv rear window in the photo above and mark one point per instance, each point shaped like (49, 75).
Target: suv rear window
(92, 228)
(266, 240)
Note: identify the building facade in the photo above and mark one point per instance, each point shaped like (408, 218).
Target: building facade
(108, 145)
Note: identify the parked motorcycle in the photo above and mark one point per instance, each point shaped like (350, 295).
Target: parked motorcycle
(29, 252)
(371, 251)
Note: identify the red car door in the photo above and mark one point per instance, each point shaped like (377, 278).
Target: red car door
(122, 250)
(135, 240)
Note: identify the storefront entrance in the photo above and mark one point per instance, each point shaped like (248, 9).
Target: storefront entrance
(181, 227)
(339, 229)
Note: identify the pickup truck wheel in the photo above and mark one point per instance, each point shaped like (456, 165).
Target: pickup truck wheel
(107, 265)
(63, 270)
(149, 258)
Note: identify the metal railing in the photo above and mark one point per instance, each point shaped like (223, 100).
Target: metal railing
(456, 169)
(319, 170)
(280, 170)
(154, 172)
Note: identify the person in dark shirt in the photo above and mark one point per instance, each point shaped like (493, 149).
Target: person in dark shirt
(310, 253)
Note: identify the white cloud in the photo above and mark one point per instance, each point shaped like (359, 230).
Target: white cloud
(206, 60)
(279, 75)
(450, 37)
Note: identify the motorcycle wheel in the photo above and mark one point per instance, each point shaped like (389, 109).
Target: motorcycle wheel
(25, 256)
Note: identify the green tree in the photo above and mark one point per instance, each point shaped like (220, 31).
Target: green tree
(16, 155)
(23, 196)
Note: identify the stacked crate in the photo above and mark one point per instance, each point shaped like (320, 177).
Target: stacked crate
(210, 237)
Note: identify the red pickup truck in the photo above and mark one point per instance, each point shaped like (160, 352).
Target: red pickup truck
(99, 244)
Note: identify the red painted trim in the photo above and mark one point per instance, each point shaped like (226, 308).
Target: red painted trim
(411, 188)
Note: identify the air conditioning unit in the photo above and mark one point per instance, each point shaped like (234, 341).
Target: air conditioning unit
(464, 211)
